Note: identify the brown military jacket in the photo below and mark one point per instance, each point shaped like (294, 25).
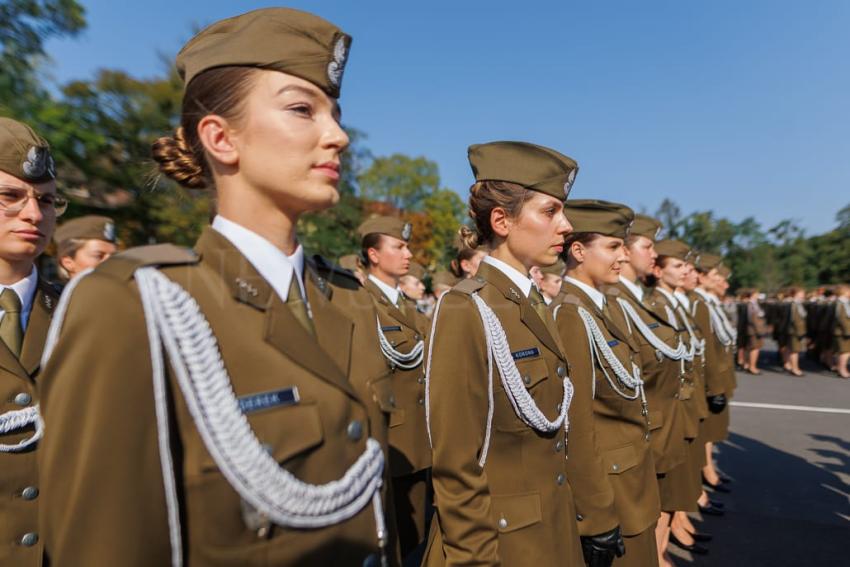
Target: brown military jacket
(103, 494)
(518, 508)
(719, 365)
(409, 448)
(621, 428)
(19, 535)
(664, 382)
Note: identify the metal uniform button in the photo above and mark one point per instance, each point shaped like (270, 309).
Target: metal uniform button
(29, 493)
(29, 539)
(392, 400)
(421, 401)
(562, 371)
(355, 430)
(503, 523)
(615, 467)
(559, 446)
(420, 380)
(23, 399)
(417, 337)
(526, 380)
(579, 518)
(676, 395)
(560, 479)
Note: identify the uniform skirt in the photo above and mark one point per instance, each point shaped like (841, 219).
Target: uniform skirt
(716, 426)
(680, 487)
(641, 550)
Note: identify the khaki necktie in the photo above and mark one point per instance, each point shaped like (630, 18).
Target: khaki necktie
(10, 326)
(605, 311)
(401, 306)
(539, 303)
(298, 306)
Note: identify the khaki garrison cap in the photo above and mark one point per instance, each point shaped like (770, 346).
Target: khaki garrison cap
(674, 249)
(86, 228)
(280, 39)
(25, 154)
(416, 270)
(646, 226)
(391, 226)
(351, 262)
(534, 167)
(724, 271)
(601, 217)
(444, 277)
(707, 262)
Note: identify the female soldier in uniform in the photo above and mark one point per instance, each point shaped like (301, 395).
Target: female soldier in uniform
(221, 425)
(792, 330)
(83, 243)
(401, 331)
(605, 368)
(498, 392)
(29, 207)
(665, 367)
(465, 264)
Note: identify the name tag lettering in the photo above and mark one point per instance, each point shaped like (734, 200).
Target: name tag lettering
(526, 353)
(253, 403)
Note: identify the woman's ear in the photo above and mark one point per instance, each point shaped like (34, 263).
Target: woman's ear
(68, 263)
(500, 222)
(656, 271)
(372, 254)
(217, 137)
(577, 251)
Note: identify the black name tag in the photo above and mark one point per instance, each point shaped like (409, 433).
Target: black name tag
(526, 353)
(278, 398)
(613, 343)
(654, 325)
(391, 328)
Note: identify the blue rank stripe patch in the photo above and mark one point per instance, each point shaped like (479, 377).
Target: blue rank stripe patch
(654, 325)
(526, 353)
(613, 343)
(391, 328)
(253, 403)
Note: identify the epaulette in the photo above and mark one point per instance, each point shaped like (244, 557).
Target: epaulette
(336, 275)
(571, 299)
(124, 264)
(470, 285)
(611, 290)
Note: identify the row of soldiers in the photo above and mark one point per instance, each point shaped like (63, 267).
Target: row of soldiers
(242, 403)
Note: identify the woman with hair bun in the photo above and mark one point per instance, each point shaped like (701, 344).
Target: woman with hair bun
(209, 403)
(465, 264)
(497, 391)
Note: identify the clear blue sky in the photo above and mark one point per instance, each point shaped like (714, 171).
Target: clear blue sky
(740, 106)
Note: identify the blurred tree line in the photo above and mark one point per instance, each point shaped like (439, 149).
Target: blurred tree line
(101, 130)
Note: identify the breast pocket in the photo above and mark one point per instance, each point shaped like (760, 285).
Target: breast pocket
(619, 460)
(396, 336)
(534, 374)
(516, 511)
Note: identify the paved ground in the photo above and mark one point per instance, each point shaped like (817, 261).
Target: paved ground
(790, 500)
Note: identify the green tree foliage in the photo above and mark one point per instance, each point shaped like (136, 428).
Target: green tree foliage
(402, 181)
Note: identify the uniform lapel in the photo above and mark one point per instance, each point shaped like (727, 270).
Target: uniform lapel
(640, 306)
(42, 310)
(612, 327)
(282, 329)
(394, 311)
(333, 329)
(527, 313)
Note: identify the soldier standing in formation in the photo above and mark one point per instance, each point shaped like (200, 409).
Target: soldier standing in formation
(401, 332)
(29, 207)
(83, 243)
(223, 425)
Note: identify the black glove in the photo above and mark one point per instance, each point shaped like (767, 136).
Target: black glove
(599, 550)
(716, 404)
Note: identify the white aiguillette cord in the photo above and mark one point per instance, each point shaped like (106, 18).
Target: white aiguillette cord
(405, 361)
(522, 402)
(680, 352)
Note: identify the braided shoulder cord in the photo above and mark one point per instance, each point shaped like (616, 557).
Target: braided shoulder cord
(697, 345)
(174, 320)
(600, 350)
(680, 352)
(720, 326)
(405, 361)
(18, 419)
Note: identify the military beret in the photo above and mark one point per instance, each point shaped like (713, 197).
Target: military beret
(646, 226)
(280, 39)
(86, 228)
(674, 249)
(416, 270)
(602, 217)
(444, 277)
(391, 226)
(706, 261)
(25, 154)
(534, 167)
(351, 262)
(556, 269)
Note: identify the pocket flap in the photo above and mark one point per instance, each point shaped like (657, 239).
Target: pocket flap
(533, 371)
(382, 393)
(656, 419)
(516, 511)
(618, 461)
(286, 431)
(396, 417)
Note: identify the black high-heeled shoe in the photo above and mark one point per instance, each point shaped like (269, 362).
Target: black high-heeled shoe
(704, 537)
(711, 510)
(724, 479)
(693, 548)
(716, 487)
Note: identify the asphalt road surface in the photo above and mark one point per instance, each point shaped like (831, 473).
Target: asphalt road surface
(790, 465)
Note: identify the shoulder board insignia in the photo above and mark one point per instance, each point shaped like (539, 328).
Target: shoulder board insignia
(470, 285)
(613, 291)
(124, 264)
(532, 352)
(336, 275)
(571, 299)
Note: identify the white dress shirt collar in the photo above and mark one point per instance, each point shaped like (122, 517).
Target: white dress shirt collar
(595, 295)
(684, 300)
(392, 293)
(25, 289)
(634, 288)
(276, 267)
(669, 296)
(523, 282)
